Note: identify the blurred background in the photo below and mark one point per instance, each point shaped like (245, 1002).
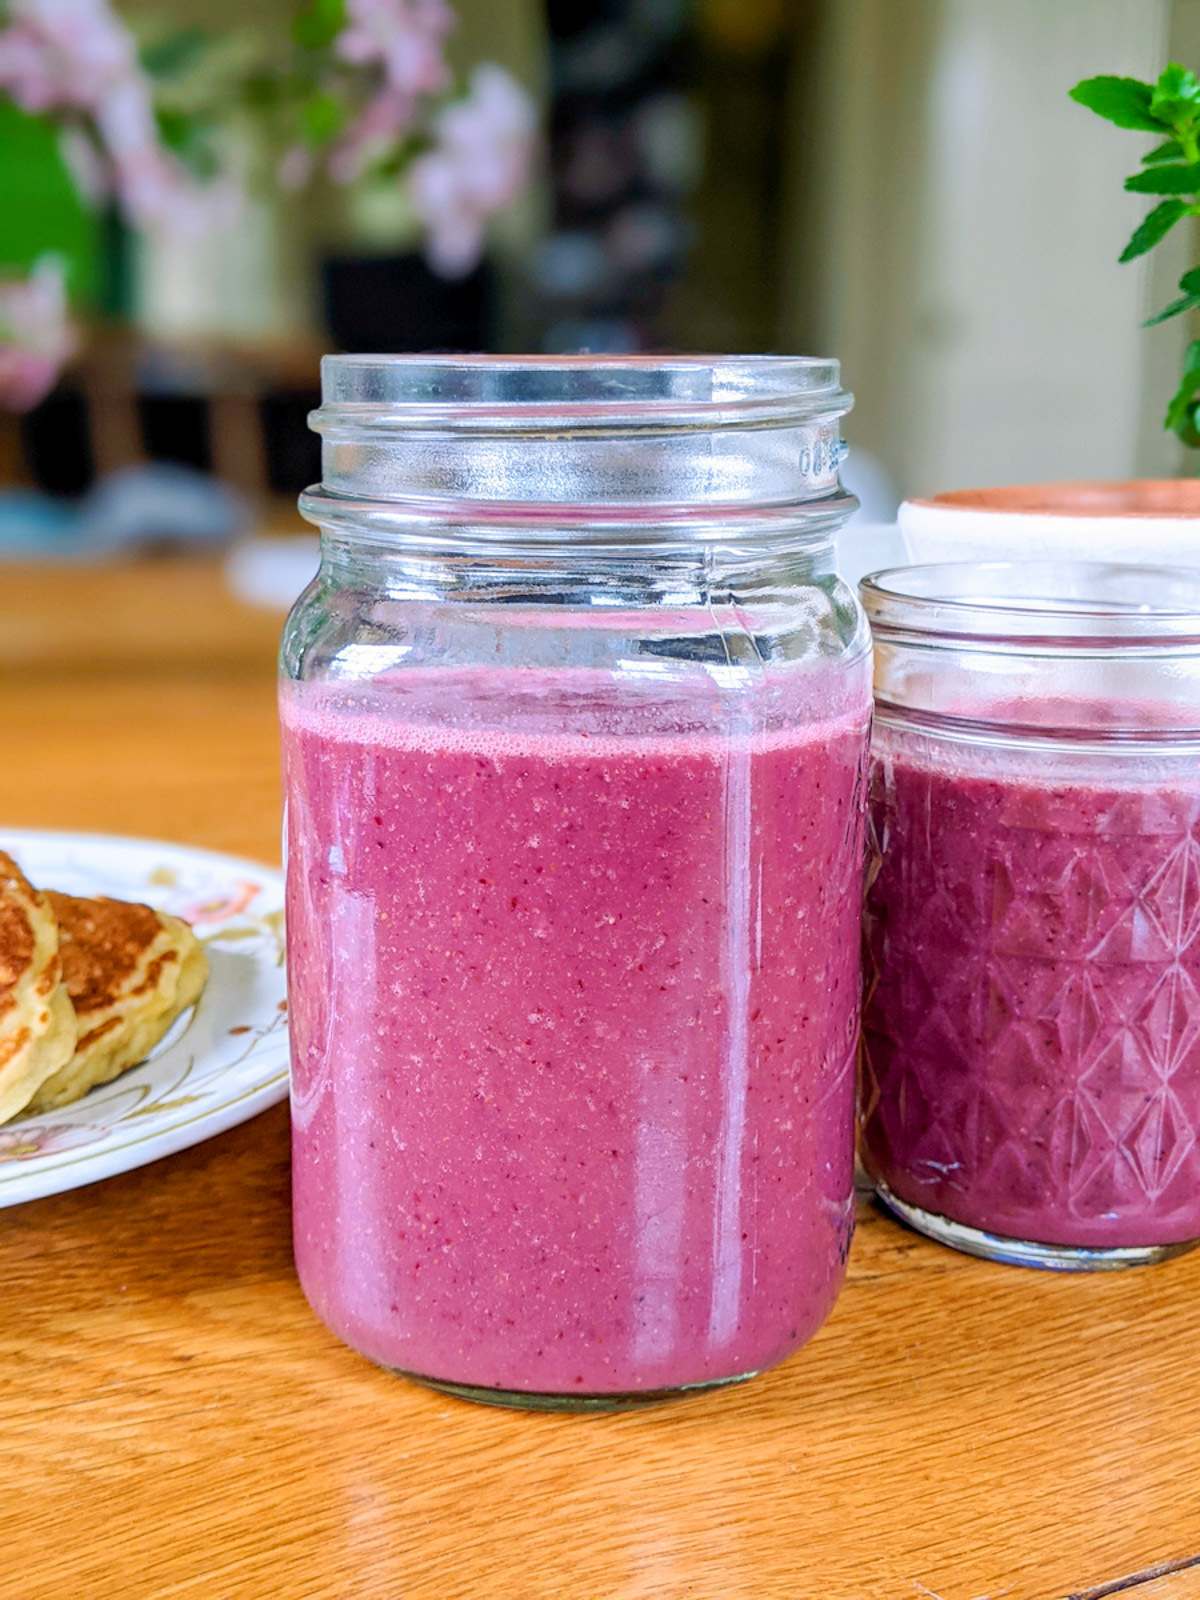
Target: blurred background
(198, 197)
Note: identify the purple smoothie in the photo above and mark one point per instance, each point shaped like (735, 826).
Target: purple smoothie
(1032, 1029)
(573, 1019)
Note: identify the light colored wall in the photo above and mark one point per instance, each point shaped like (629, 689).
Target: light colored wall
(956, 231)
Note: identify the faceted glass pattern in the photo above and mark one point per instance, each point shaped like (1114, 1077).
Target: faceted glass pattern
(1031, 1036)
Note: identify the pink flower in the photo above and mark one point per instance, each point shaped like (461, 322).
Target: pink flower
(404, 37)
(57, 54)
(144, 174)
(77, 56)
(25, 378)
(153, 186)
(35, 335)
(385, 118)
(479, 163)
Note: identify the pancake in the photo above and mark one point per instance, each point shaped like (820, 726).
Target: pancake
(37, 1023)
(129, 971)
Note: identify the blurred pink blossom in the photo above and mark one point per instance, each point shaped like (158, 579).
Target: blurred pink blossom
(386, 117)
(481, 159)
(56, 54)
(156, 190)
(26, 378)
(404, 37)
(35, 335)
(77, 56)
(145, 177)
(153, 186)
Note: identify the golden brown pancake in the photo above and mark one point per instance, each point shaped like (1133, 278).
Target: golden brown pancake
(37, 1024)
(129, 972)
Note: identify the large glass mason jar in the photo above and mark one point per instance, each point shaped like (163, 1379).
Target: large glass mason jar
(575, 720)
(1031, 1033)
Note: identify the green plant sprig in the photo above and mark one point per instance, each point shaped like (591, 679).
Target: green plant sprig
(1169, 107)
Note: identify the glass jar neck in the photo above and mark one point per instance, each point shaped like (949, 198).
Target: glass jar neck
(455, 566)
(1074, 652)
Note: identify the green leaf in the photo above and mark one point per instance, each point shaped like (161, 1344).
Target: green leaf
(261, 90)
(319, 23)
(399, 158)
(1156, 226)
(1166, 180)
(176, 54)
(189, 135)
(1181, 410)
(1177, 82)
(323, 117)
(1125, 101)
(1176, 96)
(1164, 152)
(1187, 302)
(172, 127)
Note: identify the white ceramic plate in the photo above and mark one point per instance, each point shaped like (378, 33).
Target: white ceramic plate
(223, 1061)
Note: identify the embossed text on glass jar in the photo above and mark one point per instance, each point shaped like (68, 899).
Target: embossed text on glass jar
(575, 720)
(1030, 1084)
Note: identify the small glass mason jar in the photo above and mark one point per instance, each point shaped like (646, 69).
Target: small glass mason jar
(1030, 1081)
(575, 720)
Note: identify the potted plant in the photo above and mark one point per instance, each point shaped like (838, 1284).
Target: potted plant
(1143, 520)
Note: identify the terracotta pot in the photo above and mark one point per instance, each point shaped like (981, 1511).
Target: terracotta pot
(1155, 520)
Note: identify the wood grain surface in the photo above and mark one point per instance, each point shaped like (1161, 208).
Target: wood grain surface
(174, 1422)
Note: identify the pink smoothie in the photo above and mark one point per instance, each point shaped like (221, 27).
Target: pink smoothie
(1032, 1029)
(573, 1018)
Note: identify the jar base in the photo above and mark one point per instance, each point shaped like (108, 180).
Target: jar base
(531, 1400)
(1022, 1252)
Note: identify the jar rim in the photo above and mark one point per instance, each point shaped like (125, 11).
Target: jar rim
(506, 393)
(1068, 605)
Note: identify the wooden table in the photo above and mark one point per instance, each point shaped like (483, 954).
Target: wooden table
(174, 1422)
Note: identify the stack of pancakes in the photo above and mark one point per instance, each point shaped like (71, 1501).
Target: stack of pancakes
(87, 988)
